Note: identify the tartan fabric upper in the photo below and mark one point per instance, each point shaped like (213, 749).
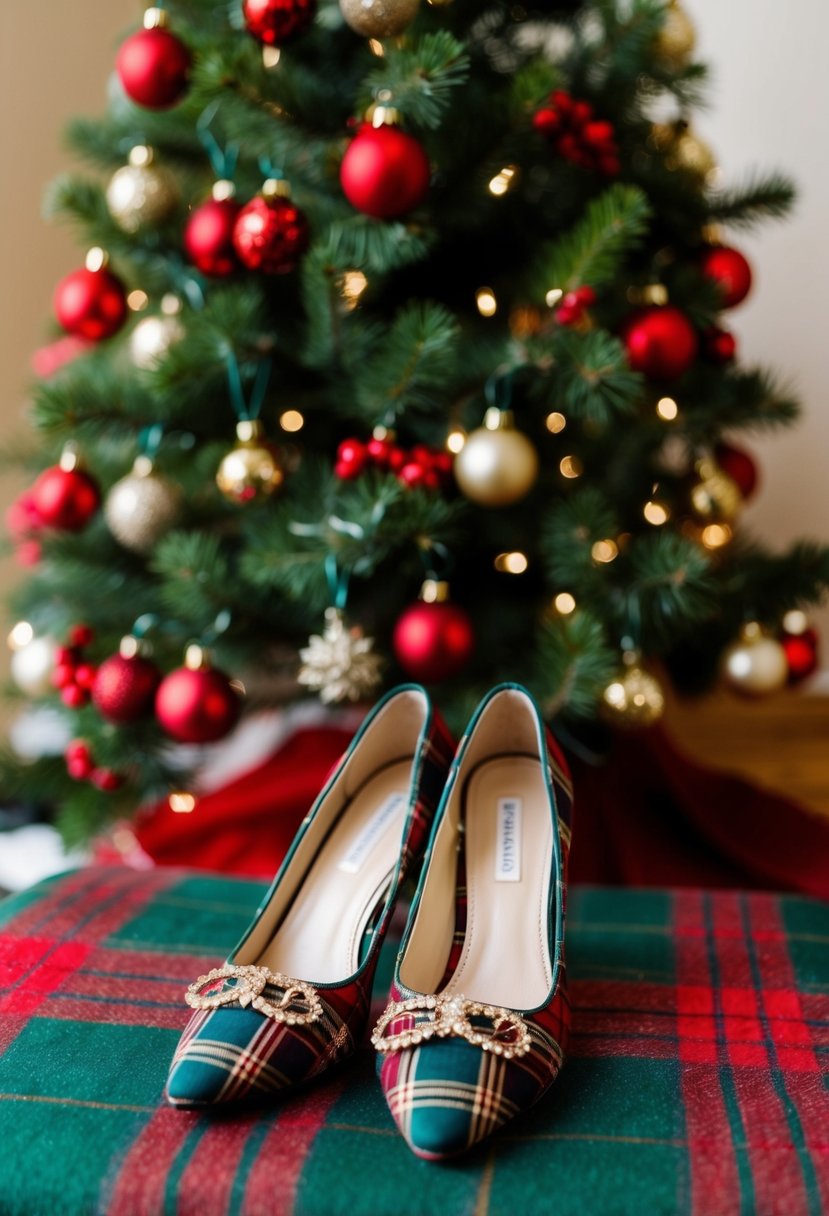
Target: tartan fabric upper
(232, 1053)
(446, 1095)
(697, 1080)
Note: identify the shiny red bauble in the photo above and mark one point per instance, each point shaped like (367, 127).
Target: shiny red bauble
(661, 342)
(385, 171)
(197, 706)
(65, 499)
(153, 66)
(276, 22)
(740, 467)
(270, 234)
(433, 641)
(730, 271)
(125, 687)
(720, 345)
(91, 304)
(802, 652)
(208, 237)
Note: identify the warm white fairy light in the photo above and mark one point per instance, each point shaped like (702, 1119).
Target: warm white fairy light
(502, 180)
(511, 563)
(656, 513)
(352, 286)
(21, 635)
(182, 802)
(291, 420)
(271, 56)
(564, 603)
(714, 536)
(555, 422)
(553, 296)
(486, 301)
(667, 409)
(571, 467)
(455, 441)
(137, 300)
(604, 551)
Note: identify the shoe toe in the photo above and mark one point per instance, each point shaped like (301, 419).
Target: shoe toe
(447, 1096)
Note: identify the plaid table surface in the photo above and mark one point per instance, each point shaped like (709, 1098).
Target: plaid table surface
(697, 1081)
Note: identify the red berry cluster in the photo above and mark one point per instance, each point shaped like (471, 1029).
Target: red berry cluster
(73, 675)
(430, 468)
(576, 135)
(574, 304)
(81, 767)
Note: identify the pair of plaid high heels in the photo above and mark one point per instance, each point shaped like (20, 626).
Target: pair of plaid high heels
(477, 1021)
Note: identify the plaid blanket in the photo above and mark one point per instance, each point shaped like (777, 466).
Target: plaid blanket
(697, 1081)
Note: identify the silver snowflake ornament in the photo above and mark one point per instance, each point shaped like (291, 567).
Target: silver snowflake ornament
(340, 663)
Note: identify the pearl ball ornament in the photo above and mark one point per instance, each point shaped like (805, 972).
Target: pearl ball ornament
(497, 465)
(755, 665)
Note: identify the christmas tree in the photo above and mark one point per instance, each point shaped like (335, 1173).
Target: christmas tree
(457, 276)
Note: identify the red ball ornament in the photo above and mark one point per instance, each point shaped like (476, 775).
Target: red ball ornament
(65, 498)
(720, 345)
(208, 235)
(153, 64)
(730, 271)
(196, 703)
(351, 459)
(79, 764)
(660, 342)
(276, 22)
(271, 233)
(740, 467)
(802, 654)
(125, 684)
(433, 639)
(91, 304)
(385, 171)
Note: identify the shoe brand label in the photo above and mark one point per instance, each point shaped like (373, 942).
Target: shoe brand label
(508, 845)
(371, 833)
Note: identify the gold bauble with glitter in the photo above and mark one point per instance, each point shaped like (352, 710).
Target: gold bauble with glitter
(142, 507)
(379, 18)
(676, 40)
(715, 497)
(253, 469)
(497, 465)
(142, 192)
(635, 698)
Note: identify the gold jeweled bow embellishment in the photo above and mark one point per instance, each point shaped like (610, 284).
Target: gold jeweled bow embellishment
(507, 1036)
(298, 1006)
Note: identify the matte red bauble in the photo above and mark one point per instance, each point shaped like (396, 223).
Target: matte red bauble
(720, 345)
(91, 304)
(730, 271)
(661, 342)
(276, 22)
(65, 499)
(385, 171)
(196, 704)
(739, 466)
(153, 66)
(433, 639)
(208, 237)
(125, 684)
(802, 654)
(270, 234)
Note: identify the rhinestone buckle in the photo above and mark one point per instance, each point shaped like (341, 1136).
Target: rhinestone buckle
(508, 1035)
(299, 1004)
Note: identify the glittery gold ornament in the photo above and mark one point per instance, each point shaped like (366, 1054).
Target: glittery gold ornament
(676, 40)
(497, 465)
(755, 664)
(635, 698)
(153, 336)
(142, 507)
(715, 497)
(340, 663)
(683, 149)
(379, 18)
(141, 193)
(253, 469)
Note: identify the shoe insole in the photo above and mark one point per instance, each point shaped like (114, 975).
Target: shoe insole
(508, 829)
(319, 940)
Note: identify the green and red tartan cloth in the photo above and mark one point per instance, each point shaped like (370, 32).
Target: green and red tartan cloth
(698, 1079)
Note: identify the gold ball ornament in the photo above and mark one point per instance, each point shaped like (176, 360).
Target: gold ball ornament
(715, 497)
(253, 469)
(141, 193)
(153, 336)
(497, 465)
(142, 507)
(635, 698)
(755, 665)
(379, 18)
(676, 40)
(683, 150)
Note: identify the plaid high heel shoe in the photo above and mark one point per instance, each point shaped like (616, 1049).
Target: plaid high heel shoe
(293, 998)
(477, 1024)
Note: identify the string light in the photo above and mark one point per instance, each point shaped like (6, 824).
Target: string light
(564, 603)
(656, 513)
(555, 422)
(667, 409)
(182, 802)
(270, 57)
(137, 300)
(455, 441)
(571, 467)
(502, 181)
(22, 634)
(553, 296)
(795, 621)
(604, 551)
(376, 47)
(714, 536)
(352, 286)
(291, 420)
(486, 301)
(511, 563)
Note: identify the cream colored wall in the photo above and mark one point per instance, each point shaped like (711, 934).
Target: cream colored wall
(771, 95)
